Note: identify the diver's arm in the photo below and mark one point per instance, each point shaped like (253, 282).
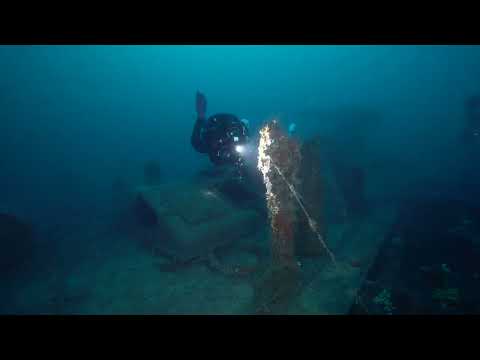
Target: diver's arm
(196, 139)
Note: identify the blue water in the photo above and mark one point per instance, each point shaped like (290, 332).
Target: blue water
(74, 119)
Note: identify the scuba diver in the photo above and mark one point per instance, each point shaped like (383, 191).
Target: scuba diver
(471, 133)
(226, 140)
(222, 136)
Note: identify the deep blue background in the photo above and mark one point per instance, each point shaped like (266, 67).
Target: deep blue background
(73, 118)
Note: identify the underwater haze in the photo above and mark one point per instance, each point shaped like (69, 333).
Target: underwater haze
(80, 124)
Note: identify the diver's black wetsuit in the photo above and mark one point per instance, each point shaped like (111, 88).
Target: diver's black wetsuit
(218, 137)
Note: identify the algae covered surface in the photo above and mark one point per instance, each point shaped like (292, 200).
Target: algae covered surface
(124, 278)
